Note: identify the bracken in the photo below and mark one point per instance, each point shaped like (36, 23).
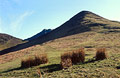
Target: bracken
(101, 54)
(66, 60)
(37, 60)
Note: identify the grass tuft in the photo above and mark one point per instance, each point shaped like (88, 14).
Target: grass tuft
(74, 57)
(66, 60)
(41, 59)
(78, 56)
(37, 60)
(28, 62)
(101, 54)
(39, 73)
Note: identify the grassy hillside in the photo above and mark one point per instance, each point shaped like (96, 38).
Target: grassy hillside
(90, 69)
(7, 41)
(86, 30)
(84, 21)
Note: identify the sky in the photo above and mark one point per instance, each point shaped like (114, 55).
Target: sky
(25, 18)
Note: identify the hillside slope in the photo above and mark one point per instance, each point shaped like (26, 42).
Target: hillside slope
(90, 69)
(82, 22)
(7, 41)
(101, 33)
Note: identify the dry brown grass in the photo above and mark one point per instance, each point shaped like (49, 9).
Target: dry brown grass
(28, 62)
(101, 54)
(74, 57)
(41, 59)
(39, 73)
(37, 60)
(78, 56)
(66, 60)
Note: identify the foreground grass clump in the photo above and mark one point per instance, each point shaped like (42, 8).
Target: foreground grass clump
(37, 60)
(66, 60)
(78, 56)
(41, 59)
(74, 57)
(101, 54)
(28, 62)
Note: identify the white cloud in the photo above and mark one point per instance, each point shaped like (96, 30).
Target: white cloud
(16, 24)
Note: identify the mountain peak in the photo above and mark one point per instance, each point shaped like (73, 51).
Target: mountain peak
(82, 14)
(87, 17)
(85, 12)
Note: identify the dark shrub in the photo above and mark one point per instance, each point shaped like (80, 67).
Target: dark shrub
(74, 57)
(41, 59)
(101, 54)
(78, 56)
(25, 63)
(66, 60)
(37, 60)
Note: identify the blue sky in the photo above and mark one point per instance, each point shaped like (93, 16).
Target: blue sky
(25, 18)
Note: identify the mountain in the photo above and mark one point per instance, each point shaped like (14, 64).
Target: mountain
(87, 30)
(43, 32)
(7, 41)
(84, 21)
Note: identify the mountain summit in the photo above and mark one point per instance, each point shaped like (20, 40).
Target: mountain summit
(82, 22)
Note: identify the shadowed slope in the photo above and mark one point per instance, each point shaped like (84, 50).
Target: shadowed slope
(43, 32)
